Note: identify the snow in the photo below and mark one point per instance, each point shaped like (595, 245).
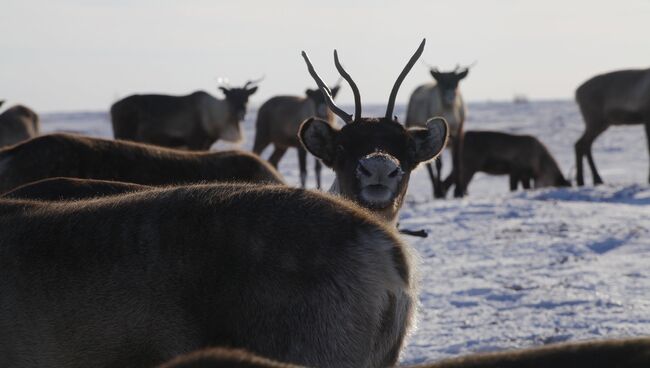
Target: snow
(507, 270)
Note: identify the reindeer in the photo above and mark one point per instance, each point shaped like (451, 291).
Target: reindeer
(619, 353)
(223, 358)
(442, 98)
(17, 123)
(522, 157)
(60, 188)
(278, 122)
(371, 157)
(193, 121)
(133, 280)
(616, 98)
(63, 155)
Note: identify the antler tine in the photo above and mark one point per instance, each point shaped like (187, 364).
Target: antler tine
(347, 118)
(255, 81)
(355, 89)
(398, 82)
(338, 82)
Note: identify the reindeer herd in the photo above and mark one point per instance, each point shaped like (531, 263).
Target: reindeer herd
(149, 249)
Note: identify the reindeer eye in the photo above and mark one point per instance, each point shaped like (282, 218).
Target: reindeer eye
(340, 148)
(394, 173)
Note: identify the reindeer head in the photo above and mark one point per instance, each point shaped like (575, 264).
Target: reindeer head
(372, 157)
(238, 97)
(320, 101)
(448, 82)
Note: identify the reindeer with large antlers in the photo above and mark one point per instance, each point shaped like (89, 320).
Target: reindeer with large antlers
(194, 121)
(372, 157)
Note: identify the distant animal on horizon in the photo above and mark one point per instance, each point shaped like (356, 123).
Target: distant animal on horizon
(64, 155)
(195, 121)
(278, 123)
(442, 98)
(522, 157)
(134, 280)
(18, 123)
(616, 98)
(372, 158)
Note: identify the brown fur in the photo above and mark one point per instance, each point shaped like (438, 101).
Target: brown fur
(56, 189)
(62, 155)
(613, 353)
(17, 123)
(616, 98)
(278, 123)
(623, 353)
(194, 121)
(442, 98)
(372, 157)
(522, 157)
(223, 358)
(136, 279)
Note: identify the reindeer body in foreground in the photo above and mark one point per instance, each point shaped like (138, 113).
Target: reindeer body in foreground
(63, 155)
(133, 280)
(278, 122)
(614, 353)
(372, 157)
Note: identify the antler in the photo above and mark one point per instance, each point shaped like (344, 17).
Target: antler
(398, 82)
(347, 118)
(252, 82)
(355, 89)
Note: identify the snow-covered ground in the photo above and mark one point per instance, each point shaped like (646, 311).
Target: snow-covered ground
(504, 270)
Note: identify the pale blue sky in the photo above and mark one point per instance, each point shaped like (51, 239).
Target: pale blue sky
(73, 54)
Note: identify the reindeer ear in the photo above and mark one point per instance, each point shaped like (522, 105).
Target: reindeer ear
(224, 90)
(318, 137)
(250, 91)
(429, 141)
(462, 74)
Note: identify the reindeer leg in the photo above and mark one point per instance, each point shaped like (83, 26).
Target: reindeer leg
(432, 177)
(525, 182)
(647, 134)
(438, 191)
(592, 166)
(302, 164)
(317, 169)
(457, 149)
(583, 148)
(514, 180)
(277, 154)
(447, 183)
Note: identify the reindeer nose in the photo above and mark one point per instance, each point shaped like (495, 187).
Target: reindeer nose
(376, 168)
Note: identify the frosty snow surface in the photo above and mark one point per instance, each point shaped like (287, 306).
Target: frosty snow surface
(503, 270)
